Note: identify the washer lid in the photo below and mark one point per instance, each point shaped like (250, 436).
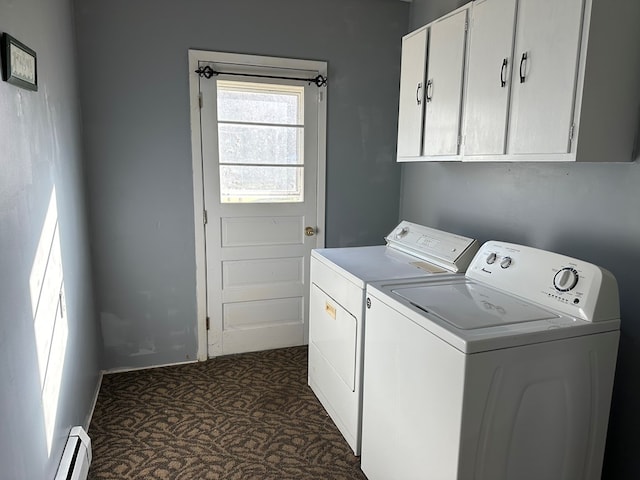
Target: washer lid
(470, 306)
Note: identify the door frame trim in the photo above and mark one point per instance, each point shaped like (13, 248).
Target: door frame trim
(196, 56)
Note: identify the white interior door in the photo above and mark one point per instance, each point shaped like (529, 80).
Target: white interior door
(261, 145)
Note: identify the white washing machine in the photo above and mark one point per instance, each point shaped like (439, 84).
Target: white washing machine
(503, 373)
(336, 308)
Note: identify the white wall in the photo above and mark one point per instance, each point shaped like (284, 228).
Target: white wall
(135, 99)
(44, 390)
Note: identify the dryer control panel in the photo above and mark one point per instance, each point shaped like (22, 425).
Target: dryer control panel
(562, 283)
(448, 250)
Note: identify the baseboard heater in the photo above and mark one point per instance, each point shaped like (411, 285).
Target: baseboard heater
(76, 456)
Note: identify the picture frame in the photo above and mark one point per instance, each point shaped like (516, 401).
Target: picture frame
(19, 63)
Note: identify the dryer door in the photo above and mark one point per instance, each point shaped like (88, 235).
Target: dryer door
(333, 332)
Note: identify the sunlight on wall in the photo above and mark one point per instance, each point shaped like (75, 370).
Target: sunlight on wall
(46, 284)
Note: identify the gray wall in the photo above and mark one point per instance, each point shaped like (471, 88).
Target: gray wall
(588, 211)
(39, 151)
(134, 83)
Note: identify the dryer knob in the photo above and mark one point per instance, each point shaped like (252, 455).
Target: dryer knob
(402, 232)
(368, 302)
(491, 258)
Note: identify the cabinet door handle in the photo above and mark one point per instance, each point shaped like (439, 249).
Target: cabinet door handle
(418, 97)
(503, 71)
(523, 61)
(429, 90)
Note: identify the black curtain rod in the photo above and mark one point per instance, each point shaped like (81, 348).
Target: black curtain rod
(209, 72)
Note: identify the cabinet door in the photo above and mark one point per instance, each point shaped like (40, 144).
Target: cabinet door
(444, 85)
(545, 72)
(489, 77)
(412, 72)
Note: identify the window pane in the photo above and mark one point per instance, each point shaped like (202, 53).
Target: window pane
(260, 124)
(247, 102)
(239, 184)
(260, 144)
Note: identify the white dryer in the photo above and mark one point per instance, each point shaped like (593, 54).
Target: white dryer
(503, 373)
(336, 308)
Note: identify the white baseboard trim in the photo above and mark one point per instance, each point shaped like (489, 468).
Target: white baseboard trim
(87, 423)
(128, 369)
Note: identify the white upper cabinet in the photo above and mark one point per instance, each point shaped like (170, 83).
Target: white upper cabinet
(545, 69)
(445, 69)
(538, 76)
(489, 77)
(412, 83)
(540, 80)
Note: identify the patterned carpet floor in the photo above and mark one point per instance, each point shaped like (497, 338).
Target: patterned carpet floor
(241, 417)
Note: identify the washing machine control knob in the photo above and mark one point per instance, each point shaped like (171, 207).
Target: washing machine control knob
(506, 262)
(566, 279)
(491, 258)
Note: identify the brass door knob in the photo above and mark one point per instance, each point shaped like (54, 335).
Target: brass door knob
(309, 231)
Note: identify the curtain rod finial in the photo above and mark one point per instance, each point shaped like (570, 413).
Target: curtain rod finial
(206, 71)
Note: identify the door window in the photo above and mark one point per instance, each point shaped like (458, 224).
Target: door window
(260, 142)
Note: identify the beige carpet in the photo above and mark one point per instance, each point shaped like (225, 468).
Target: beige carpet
(249, 416)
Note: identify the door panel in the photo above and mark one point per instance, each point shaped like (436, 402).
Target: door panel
(247, 231)
(279, 311)
(443, 91)
(270, 323)
(412, 71)
(546, 54)
(261, 272)
(273, 336)
(489, 79)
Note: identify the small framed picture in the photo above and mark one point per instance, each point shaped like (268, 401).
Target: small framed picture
(19, 65)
